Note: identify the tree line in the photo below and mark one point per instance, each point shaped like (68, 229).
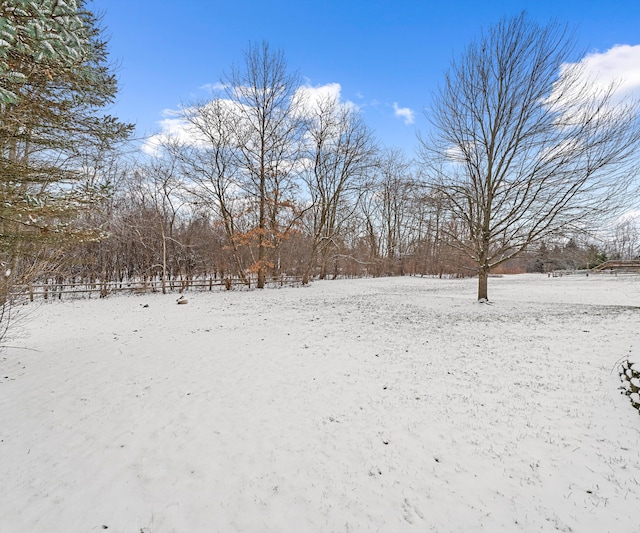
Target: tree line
(162, 224)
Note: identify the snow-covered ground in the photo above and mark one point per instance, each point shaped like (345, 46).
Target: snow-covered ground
(386, 405)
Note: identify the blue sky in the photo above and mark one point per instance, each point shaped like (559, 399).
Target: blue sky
(387, 56)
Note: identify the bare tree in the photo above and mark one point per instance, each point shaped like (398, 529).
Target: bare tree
(397, 196)
(340, 153)
(523, 145)
(162, 190)
(389, 209)
(266, 98)
(626, 239)
(209, 161)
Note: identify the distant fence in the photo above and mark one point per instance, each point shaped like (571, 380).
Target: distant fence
(60, 290)
(619, 265)
(608, 272)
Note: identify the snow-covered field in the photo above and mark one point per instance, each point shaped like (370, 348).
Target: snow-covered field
(386, 405)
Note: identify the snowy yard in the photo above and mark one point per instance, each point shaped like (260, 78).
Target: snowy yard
(391, 405)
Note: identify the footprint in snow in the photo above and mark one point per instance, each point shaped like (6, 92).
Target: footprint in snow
(410, 510)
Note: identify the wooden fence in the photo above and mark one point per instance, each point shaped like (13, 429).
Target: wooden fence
(58, 290)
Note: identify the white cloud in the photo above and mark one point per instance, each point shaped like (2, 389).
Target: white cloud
(590, 81)
(619, 65)
(173, 126)
(404, 113)
(632, 216)
(311, 97)
(213, 87)
(152, 146)
(330, 90)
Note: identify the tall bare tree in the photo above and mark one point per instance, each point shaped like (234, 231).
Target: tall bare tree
(398, 194)
(209, 160)
(388, 209)
(161, 193)
(523, 145)
(266, 98)
(340, 153)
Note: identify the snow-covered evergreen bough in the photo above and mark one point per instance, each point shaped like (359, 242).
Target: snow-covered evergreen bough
(630, 375)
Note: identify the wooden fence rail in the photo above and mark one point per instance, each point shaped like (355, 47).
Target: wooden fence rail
(55, 290)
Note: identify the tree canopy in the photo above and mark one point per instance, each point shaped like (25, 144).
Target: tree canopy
(54, 81)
